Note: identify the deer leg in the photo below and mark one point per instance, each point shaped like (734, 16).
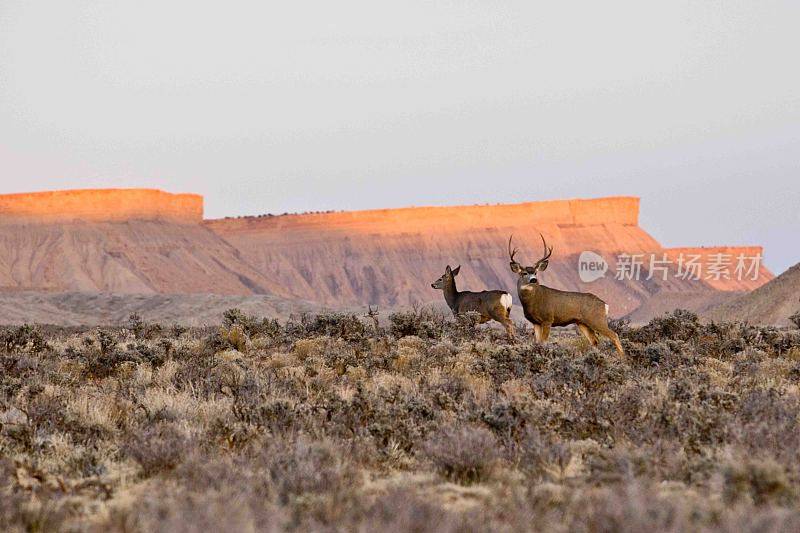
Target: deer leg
(615, 339)
(588, 333)
(605, 331)
(545, 332)
(537, 332)
(501, 315)
(509, 325)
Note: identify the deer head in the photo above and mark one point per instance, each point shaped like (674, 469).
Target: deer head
(528, 274)
(446, 278)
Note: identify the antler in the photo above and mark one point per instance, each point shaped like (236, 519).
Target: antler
(547, 252)
(510, 252)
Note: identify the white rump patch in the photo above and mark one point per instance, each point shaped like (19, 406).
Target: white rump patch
(606, 309)
(505, 300)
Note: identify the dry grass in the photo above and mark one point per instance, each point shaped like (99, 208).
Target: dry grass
(327, 423)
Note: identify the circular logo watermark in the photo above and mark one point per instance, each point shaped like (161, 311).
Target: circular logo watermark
(591, 266)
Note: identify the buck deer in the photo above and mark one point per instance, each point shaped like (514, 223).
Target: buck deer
(490, 305)
(545, 307)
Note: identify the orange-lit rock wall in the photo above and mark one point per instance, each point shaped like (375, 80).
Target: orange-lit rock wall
(149, 241)
(101, 205)
(726, 268)
(595, 212)
(390, 256)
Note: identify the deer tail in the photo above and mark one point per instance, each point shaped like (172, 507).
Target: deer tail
(506, 301)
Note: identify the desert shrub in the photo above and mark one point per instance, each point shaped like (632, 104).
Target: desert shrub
(26, 338)
(196, 507)
(231, 337)
(277, 416)
(697, 422)
(142, 329)
(338, 325)
(236, 337)
(422, 322)
(762, 480)
(543, 455)
(678, 325)
(135, 324)
(462, 454)
(465, 324)
(448, 392)
(621, 326)
(504, 418)
(402, 509)
(655, 352)
(629, 507)
(176, 331)
(105, 363)
(158, 448)
(795, 319)
(591, 372)
(236, 317)
(322, 424)
(506, 362)
(21, 513)
(400, 420)
(769, 422)
(316, 479)
(45, 411)
(250, 325)
(725, 340)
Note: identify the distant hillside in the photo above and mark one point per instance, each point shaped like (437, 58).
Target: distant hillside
(140, 242)
(92, 308)
(772, 303)
(391, 256)
(135, 257)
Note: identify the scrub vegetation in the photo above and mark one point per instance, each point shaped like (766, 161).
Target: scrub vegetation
(416, 422)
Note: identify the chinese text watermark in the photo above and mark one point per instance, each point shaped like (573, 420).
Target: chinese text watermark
(711, 267)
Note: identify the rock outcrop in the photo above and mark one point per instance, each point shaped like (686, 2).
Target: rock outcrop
(152, 242)
(389, 257)
(135, 257)
(772, 303)
(726, 268)
(101, 205)
(121, 241)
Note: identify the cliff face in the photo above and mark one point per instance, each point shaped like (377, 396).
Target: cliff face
(390, 257)
(152, 242)
(621, 211)
(101, 205)
(726, 268)
(123, 241)
(137, 257)
(772, 303)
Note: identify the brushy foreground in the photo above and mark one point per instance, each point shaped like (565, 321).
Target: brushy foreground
(422, 423)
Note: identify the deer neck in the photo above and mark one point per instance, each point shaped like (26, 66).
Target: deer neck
(451, 294)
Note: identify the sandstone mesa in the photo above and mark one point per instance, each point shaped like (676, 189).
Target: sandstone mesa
(145, 241)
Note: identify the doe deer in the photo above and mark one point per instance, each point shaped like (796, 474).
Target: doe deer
(490, 305)
(545, 307)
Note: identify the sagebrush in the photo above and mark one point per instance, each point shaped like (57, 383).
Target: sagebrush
(336, 422)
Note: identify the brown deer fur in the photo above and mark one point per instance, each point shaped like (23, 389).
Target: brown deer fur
(545, 307)
(490, 305)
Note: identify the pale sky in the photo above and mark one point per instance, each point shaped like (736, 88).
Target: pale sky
(294, 106)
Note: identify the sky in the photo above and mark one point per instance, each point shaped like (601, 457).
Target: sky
(272, 107)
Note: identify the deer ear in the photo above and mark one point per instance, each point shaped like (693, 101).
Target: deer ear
(447, 270)
(515, 268)
(542, 266)
(457, 269)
